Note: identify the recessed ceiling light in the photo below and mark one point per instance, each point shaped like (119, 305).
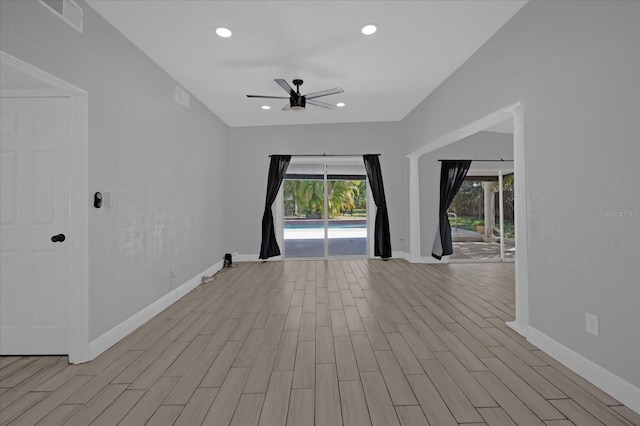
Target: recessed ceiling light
(266, 107)
(340, 104)
(223, 32)
(369, 29)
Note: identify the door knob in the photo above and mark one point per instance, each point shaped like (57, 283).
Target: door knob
(58, 238)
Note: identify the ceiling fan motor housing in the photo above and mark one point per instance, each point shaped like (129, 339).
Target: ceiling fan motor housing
(297, 102)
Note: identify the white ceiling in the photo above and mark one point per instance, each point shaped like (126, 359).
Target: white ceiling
(384, 76)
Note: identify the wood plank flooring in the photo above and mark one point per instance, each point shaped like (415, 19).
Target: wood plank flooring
(339, 342)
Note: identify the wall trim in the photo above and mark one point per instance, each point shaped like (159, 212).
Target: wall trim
(446, 260)
(517, 328)
(399, 254)
(254, 257)
(34, 93)
(113, 336)
(610, 383)
(433, 260)
(425, 259)
(487, 260)
(414, 210)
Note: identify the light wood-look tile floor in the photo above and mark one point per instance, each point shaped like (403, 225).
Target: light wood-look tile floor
(353, 342)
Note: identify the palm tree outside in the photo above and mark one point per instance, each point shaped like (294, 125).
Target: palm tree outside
(304, 199)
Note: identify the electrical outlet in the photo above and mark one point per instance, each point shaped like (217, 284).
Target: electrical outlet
(591, 324)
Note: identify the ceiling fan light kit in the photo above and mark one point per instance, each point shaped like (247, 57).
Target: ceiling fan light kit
(297, 101)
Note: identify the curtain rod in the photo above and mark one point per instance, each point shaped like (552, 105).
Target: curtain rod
(328, 155)
(490, 161)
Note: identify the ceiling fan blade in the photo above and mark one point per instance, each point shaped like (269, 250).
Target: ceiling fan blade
(324, 93)
(267, 97)
(287, 107)
(320, 104)
(286, 86)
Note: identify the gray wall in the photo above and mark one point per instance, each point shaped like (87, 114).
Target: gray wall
(164, 163)
(481, 146)
(575, 66)
(248, 163)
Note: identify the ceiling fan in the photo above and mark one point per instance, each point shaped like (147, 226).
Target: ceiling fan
(298, 101)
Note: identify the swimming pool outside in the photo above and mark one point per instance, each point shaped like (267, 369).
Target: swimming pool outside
(314, 229)
(332, 225)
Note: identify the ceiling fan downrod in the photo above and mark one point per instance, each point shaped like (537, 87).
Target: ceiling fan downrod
(297, 82)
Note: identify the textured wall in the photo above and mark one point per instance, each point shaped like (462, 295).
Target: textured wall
(163, 162)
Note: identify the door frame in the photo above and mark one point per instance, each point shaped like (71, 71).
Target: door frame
(78, 331)
(515, 113)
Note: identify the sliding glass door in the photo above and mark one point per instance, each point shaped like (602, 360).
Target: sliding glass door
(347, 212)
(325, 211)
(506, 219)
(304, 232)
(482, 219)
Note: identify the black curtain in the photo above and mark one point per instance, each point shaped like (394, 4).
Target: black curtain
(277, 169)
(382, 240)
(452, 175)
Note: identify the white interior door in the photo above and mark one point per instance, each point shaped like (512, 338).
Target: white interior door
(34, 187)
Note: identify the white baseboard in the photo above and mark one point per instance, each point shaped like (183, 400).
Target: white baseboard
(395, 254)
(401, 255)
(431, 259)
(518, 328)
(253, 258)
(428, 259)
(113, 336)
(615, 386)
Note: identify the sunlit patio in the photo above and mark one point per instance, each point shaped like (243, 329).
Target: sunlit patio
(469, 245)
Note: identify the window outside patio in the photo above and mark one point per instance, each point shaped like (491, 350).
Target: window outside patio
(304, 222)
(474, 216)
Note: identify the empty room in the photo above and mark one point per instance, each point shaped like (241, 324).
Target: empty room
(320, 212)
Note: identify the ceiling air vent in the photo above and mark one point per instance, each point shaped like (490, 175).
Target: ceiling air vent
(182, 97)
(68, 10)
